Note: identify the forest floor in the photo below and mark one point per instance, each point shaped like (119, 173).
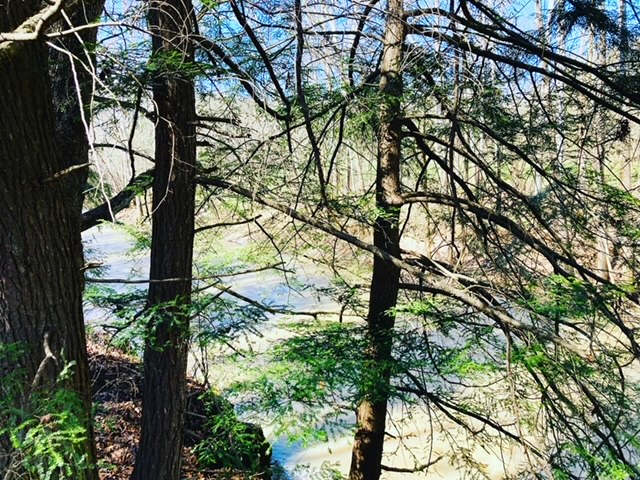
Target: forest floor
(117, 395)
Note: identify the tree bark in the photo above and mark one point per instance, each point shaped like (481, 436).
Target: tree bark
(41, 278)
(371, 415)
(165, 357)
(70, 66)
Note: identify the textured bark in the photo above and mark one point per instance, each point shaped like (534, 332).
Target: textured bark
(371, 416)
(41, 260)
(165, 357)
(72, 89)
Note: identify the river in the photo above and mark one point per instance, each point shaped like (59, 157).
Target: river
(409, 427)
(112, 247)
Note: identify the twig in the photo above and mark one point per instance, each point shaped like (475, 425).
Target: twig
(267, 308)
(419, 468)
(182, 279)
(226, 224)
(48, 357)
(64, 172)
(31, 28)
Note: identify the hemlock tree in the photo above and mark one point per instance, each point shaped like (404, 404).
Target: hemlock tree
(514, 317)
(518, 301)
(41, 266)
(168, 311)
(383, 294)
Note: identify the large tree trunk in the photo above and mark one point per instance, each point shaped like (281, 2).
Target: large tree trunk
(371, 416)
(165, 357)
(41, 278)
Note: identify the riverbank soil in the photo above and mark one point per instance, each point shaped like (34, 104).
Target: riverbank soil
(117, 396)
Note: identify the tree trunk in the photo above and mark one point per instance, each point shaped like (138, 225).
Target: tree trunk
(165, 357)
(41, 277)
(67, 76)
(371, 416)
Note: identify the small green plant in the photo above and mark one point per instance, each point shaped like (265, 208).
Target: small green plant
(230, 442)
(46, 429)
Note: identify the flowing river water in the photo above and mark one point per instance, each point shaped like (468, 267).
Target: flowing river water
(113, 249)
(412, 427)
